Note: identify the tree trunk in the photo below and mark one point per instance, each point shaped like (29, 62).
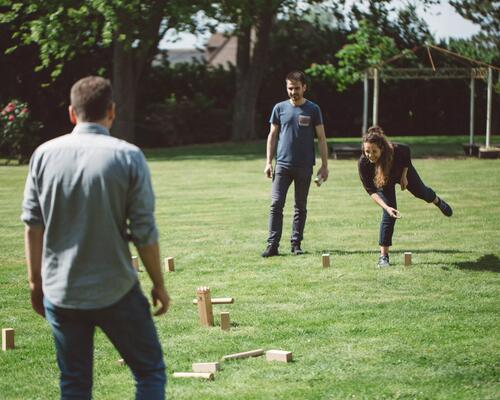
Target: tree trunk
(250, 67)
(128, 66)
(124, 92)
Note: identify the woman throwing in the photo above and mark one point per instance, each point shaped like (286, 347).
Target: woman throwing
(381, 166)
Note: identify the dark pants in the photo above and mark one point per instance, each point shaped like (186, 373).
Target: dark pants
(283, 178)
(128, 325)
(388, 194)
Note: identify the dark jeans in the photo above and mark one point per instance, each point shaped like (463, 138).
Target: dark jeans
(128, 325)
(282, 179)
(388, 193)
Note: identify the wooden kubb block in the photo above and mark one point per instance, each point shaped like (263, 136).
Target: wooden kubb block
(135, 263)
(7, 339)
(169, 264)
(209, 367)
(205, 306)
(225, 322)
(279, 355)
(407, 258)
(326, 260)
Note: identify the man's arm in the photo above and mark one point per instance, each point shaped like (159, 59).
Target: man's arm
(150, 256)
(323, 151)
(272, 138)
(33, 246)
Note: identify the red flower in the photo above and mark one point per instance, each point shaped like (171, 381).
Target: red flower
(11, 118)
(24, 110)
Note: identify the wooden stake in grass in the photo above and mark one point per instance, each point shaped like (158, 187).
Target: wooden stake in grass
(225, 323)
(407, 258)
(205, 306)
(7, 339)
(206, 367)
(279, 355)
(326, 260)
(135, 263)
(200, 375)
(245, 354)
(169, 264)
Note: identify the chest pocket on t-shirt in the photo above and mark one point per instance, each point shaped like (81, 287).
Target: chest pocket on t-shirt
(304, 120)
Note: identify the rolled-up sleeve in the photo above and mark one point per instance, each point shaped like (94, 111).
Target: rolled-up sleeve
(32, 212)
(141, 203)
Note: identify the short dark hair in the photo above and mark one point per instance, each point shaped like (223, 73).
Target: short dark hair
(296, 76)
(91, 97)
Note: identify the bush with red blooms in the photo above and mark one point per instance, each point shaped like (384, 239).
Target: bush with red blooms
(19, 133)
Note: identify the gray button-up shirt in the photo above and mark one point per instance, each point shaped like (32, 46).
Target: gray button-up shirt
(88, 189)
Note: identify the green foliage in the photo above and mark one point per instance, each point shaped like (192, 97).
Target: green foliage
(19, 133)
(61, 29)
(184, 104)
(486, 14)
(367, 48)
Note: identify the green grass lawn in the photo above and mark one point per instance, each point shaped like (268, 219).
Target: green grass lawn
(429, 331)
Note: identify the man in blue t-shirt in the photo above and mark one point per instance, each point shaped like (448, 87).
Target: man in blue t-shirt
(294, 123)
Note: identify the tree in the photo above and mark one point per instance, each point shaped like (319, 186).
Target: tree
(254, 20)
(486, 14)
(133, 28)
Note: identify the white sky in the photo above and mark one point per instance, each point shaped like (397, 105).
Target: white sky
(443, 21)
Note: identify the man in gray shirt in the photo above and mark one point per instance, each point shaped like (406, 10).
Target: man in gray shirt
(294, 124)
(86, 194)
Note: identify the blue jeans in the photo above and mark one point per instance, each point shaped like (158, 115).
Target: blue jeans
(388, 194)
(282, 179)
(128, 325)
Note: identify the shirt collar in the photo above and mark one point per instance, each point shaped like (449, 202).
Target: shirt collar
(91, 127)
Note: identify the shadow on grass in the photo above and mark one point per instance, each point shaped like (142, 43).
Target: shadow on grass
(488, 262)
(375, 250)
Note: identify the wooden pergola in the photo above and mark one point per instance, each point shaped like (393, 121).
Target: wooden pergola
(478, 70)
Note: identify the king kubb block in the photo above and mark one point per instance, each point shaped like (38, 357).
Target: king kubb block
(135, 263)
(169, 264)
(407, 258)
(7, 339)
(326, 260)
(205, 306)
(209, 367)
(245, 354)
(225, 322)
(279, 355)
(200, 375)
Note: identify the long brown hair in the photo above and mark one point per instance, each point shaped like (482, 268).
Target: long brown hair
(375, 135)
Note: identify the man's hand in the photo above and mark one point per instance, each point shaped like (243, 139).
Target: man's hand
(36, 295)
(323, 171)
(404, 182)
(268, 170)
(160, 296)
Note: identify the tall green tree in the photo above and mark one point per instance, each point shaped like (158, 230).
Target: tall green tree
(486, 14)
(133, 28)
(254, 20)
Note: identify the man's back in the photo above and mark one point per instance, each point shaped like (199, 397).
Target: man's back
(82, 187)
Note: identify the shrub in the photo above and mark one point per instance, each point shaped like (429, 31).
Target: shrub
(19, 133)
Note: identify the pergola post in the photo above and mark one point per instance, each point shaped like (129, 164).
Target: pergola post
(365, 104)
(472, 98)
(488, 106)
(375, 97)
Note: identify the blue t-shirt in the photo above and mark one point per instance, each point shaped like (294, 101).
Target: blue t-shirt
(297, 131)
